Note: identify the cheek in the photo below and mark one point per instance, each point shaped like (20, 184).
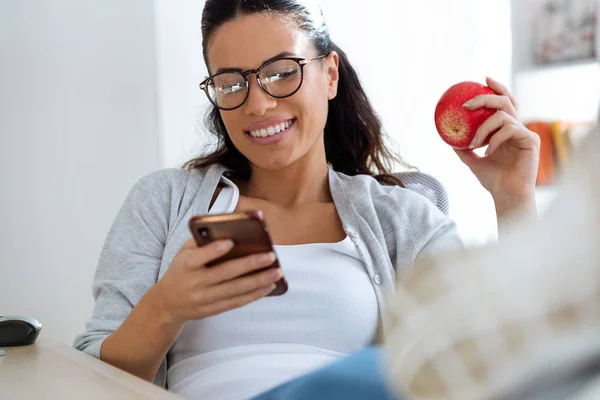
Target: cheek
(233, 123)
(318, 112)
(315, 101)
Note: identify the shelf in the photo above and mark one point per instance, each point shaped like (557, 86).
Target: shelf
(555, 67)
(569, 93)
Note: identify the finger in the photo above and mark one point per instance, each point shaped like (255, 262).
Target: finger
(240, 286)
(256, 214)
(259, 214)
(505, 134)
(492, 124)
(501, 90)
(468, 157)
(200, 256)
(236, 302)
(520, 137)
(238, 267)
(189, 244)
(492, 101)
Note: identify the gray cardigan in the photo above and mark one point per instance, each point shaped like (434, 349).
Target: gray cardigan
(390, 226)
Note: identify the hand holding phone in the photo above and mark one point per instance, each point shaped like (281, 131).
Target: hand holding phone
(248, 232)
(210, 279)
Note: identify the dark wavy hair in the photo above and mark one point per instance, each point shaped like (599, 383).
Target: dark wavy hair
(354, 140)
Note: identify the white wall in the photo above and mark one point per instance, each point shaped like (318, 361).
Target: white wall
(77, 128)
(569, 93)
(181, 68)
(431, 43)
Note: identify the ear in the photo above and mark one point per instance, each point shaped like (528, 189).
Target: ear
(332, 63)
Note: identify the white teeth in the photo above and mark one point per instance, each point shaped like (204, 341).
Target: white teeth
(270, 131)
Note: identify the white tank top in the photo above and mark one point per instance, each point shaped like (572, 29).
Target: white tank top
(329, 311)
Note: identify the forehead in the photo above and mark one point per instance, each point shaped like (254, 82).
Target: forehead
(248, 41)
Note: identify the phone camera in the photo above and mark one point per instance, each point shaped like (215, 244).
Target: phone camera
(203, 232)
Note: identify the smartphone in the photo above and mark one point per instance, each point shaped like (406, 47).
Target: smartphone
(248, 232)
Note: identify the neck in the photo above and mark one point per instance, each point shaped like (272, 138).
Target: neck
(305, 181)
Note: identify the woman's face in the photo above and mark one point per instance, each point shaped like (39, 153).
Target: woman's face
(246, 43)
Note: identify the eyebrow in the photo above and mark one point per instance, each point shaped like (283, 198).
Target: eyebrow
(282, 54)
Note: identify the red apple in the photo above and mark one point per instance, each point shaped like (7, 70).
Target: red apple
(457, 125)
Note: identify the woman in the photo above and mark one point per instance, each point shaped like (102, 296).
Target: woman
(299, 141)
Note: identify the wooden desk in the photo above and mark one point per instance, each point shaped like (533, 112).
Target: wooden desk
(50, 370)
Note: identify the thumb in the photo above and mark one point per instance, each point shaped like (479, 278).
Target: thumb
(468, 157)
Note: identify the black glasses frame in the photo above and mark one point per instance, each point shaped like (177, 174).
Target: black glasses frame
(300, 60)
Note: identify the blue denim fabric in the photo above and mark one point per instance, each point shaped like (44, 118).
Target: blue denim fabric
(354, 377)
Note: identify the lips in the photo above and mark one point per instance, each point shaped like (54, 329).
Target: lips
(268, 127)
(271, 130)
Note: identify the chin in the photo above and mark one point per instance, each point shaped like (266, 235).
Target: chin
(272, 165)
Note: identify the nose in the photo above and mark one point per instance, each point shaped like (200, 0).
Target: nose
(259, 102)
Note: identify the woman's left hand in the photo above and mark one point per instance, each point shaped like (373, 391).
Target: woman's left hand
(509, 168)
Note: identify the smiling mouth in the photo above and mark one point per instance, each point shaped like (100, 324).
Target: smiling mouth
(272, 130)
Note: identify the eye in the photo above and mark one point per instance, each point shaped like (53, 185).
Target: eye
(280, 75)
(227, 83)
(230, 88)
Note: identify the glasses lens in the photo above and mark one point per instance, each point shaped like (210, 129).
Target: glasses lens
(227, 90)
(281, 78)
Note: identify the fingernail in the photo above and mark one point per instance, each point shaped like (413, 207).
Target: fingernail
(267, 259)
(473, 143)
(225, 245)
(487, 151)
(469, 103)
(269, 289)
(275, 275)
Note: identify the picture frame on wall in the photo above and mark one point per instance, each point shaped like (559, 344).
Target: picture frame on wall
(564, 31)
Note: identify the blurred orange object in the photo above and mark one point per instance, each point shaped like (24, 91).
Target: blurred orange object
(546, 170)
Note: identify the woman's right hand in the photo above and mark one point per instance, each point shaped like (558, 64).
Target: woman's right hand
(189, 290)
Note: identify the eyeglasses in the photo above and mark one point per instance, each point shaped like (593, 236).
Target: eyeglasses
(280, 78)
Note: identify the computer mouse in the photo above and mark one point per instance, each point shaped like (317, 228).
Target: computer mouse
(18, 331)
